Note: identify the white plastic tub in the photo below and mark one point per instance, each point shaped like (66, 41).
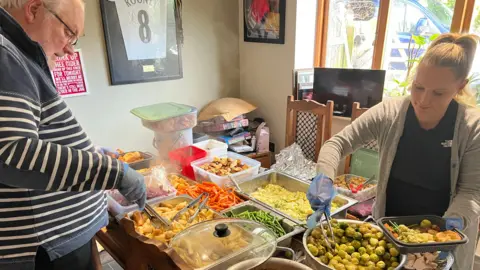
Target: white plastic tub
(213, 148)
(240, 177)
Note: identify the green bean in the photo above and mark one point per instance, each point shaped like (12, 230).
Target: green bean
(263, 217)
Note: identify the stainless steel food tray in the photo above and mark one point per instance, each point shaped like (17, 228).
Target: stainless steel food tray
(174, 201)
(291, 227)
(292, 184)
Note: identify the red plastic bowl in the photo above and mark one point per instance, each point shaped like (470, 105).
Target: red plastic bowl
(184, 156)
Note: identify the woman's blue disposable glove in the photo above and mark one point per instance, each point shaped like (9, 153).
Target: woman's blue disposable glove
(132, 186)
(106, 151)
(320, 195)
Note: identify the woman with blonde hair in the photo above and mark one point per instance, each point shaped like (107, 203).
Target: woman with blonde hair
(429, 146)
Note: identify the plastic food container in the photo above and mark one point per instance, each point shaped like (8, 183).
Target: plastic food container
(167, 117)
(223, 243)
(213, 148)
(156, 190)
(240, 177)
(362, 195)
(184, 157)
(404, 247)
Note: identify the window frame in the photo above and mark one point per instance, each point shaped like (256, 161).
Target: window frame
(461, 21)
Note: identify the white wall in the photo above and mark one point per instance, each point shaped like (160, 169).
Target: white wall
(305, 33)
(266, 74)
(210, 66)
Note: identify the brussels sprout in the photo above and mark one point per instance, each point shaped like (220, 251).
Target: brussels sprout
(425, 224)
(394, 252)
(368, 235)
(373, 230)
(334, 221)
(356, 244)
(329, 255)
(380, 251)
(339, 232)
(337, 258)
(387, 256)
(313, 249)
(324, 259)
(311, 240)
(343, 225)
(390, 245)
(340, 267)
(365, 258)
(351, 267)
(395, 264)
(391, 268)
(370, 249)
(350, 232)
(363, 229)
(382, 243)
(345, 262)
(379, 235)
(373, 242)
(358, 236)
(350, 249)
(344, 240)
(356, 261)
(316, 233)
(370, 263)
(333, 261)
(343, 247)
(342, 254)
(374, 258)
(322, 250)
(365, 243)
(362, 267)
(337, 239)
(393, 259)
(362, 250)
(381, 265)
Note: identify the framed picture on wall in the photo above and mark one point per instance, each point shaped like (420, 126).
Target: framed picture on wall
(142, 40)
(264, 21)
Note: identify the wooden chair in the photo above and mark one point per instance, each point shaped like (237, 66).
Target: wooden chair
(356, 112)
(309, 124)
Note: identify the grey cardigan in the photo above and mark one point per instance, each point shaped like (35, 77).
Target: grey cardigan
(384, 123)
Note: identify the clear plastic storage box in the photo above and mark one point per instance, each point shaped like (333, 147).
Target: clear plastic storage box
(362, 195)
(213, 148)
(167, 117)
(240, 177)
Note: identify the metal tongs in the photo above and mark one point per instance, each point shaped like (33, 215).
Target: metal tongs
(156, 218)
(204, 195)
(330, 245)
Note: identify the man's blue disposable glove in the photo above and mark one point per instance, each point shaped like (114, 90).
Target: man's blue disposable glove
(132, 186)
(320, 195)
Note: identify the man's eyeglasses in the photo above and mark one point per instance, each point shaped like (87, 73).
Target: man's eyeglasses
(72, 37)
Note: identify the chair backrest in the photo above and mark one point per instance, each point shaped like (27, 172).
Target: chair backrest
(357, 111)
(309, 124)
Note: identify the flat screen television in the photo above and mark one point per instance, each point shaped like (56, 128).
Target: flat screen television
(345, 86)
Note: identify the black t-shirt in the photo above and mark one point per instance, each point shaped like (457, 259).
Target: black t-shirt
(419, 182)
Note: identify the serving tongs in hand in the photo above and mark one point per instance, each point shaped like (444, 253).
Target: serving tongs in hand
(330, 244)
(156, 219)
(204, 195)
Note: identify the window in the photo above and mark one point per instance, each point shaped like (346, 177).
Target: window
(412, 18)
(475, 74)
(351, 33)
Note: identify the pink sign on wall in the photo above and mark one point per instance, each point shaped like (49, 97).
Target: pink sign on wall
(69, 75)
